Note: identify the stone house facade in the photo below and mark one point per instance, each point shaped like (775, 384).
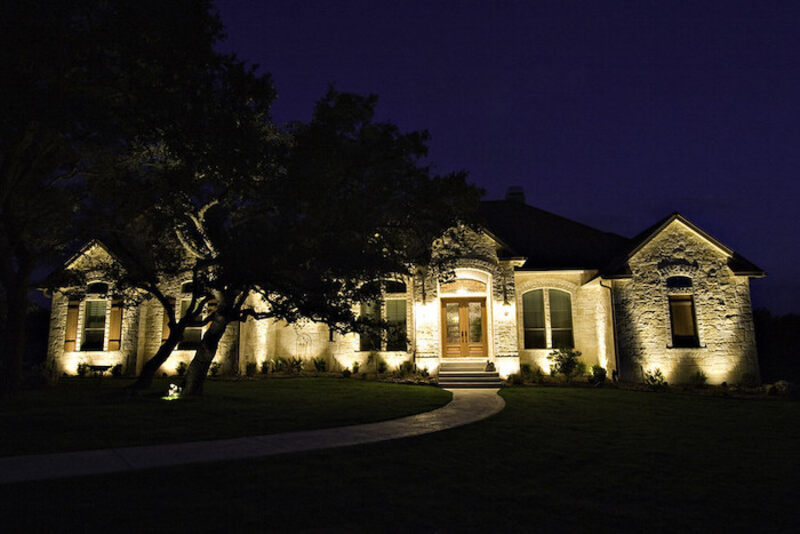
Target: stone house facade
(672, 298)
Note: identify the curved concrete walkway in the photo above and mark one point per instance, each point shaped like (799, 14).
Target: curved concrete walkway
(467, 406)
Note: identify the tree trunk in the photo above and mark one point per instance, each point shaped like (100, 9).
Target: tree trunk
(14, 342)
(152, 365)
(198, 369)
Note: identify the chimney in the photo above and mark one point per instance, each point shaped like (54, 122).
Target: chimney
(516, 194)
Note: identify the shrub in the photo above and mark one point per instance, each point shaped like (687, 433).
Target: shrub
(116, 371)
(515, 379)
(580, 370)
(526, 371)
(699, 379)
(279, 364)
(565, 362)
(250, 369)
(538, 376)
(83, 369)
(296, 365)
(320, 364)
(423, 373)
(598, 376)
(405, 369)
(265, 367)
(381, 367)
(356, 365)
(180, 369)
(214, 368)
(655, 378)
(346, 373)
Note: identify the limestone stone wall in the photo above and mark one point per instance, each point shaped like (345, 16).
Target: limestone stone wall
(591, 316)
(727, 350)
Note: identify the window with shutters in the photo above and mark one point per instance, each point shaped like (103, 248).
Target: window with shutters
(94, 325)
(542, 330)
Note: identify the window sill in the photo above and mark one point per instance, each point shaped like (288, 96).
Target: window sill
(697, 347)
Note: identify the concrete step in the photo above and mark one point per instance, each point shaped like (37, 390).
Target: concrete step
(467, 376)
(497, 384)
(463, 368)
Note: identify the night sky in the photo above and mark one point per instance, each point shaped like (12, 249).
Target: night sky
(612, 114)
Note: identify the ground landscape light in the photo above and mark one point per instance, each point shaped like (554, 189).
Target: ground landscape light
(174, 392)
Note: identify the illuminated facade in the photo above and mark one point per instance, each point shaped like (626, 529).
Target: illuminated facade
(672, 298)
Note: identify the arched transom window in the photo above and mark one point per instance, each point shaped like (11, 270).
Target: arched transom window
(542, 330)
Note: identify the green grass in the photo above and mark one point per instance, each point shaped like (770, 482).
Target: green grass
(555, 460)
(79, 414)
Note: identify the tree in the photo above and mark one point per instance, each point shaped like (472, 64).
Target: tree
(352, 205)
(82, 80)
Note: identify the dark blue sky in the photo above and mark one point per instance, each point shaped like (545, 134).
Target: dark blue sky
(611, 113)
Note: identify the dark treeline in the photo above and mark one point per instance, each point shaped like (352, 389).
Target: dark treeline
(778, 339)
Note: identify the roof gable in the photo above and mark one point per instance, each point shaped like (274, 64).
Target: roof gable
(619, 266)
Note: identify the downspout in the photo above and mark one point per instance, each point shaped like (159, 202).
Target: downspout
(613, 325)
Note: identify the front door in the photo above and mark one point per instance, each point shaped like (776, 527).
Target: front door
(464, 327)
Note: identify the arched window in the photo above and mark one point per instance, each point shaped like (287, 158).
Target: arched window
(533, 319)
(561, 319)
(537, 324)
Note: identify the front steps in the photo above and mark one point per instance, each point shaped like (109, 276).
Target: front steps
(467, 374)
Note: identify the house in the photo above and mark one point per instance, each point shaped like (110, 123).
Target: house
(672, 298)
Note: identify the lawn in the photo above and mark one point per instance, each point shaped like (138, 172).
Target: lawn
(80, 414)
(556, 459)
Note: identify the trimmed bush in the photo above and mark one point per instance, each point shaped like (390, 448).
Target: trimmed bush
(116, 371)
(250, 369)
(180, 369)
(214, 368)
(598, 375)
(83, 369)
(265, 367)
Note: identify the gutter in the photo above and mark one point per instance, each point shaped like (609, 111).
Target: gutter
(613, 325)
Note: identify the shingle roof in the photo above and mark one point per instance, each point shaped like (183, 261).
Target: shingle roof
(549, 241)
(552, 242)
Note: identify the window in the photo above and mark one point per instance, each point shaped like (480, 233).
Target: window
(371, 340)
(392, 310)
(561, 319)
(533, 319)
(536, 324)
(94, 325)
(193, 333)
(682, 318)
(396, 318)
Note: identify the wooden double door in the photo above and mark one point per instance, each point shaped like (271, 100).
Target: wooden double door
(464, 327)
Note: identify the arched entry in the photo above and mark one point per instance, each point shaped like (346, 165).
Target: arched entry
(464, 324)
